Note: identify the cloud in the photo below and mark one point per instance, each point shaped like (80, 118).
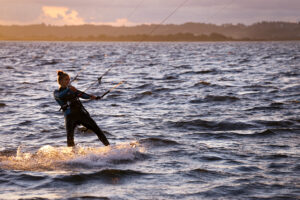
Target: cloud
(117, 22)
(60, 16)
(134, 12)
(65, 16)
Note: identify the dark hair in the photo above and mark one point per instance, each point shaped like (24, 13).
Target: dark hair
(60, 75)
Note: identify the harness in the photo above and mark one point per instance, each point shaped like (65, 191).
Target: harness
(72, 102)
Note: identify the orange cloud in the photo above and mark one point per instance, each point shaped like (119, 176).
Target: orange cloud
(60, 16)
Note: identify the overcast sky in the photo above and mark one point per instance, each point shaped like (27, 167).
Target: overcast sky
(134, 12)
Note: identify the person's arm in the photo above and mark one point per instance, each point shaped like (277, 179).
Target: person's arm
(82, 94)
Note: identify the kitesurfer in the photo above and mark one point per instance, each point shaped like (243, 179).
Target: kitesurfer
(75, 114)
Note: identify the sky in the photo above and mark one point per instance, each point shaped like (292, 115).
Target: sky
(135, 12)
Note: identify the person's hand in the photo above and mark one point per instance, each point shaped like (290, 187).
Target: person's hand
(72, 88)
(93, 97)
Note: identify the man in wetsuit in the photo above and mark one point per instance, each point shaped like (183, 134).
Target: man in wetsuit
(75, 114)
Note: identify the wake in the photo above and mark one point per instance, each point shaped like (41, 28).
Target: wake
(51, 158)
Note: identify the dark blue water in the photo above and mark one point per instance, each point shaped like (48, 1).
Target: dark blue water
(192, 121)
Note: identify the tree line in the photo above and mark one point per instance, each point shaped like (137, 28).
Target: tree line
(262, 31)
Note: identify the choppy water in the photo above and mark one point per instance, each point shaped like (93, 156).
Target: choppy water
(192, 121)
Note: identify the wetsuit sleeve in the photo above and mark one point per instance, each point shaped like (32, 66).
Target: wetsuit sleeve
(66, 92)
(83, 95)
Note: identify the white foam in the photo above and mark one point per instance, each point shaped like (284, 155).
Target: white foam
(49, 158)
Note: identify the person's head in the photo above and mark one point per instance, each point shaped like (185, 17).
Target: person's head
(63, 78)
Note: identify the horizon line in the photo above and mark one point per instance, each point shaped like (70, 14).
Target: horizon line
(156, 24)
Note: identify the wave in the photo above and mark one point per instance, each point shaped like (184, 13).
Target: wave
(204, 174)
(25, 123)
(246, 188)
(199, 124)
(297, 168)
(50, 62)
(213, 98)
(291, 125)
(157, 142)
(291, 74)
(31, 177)
(162, 89)
(86, 197)
(50, 180)
(230, 135)
(261, 87)
(292, 89)
(209, 71)
(8, 152)
(183, 66)
(147, 85)
(213, 135)
(211, 158)
(201, 83)
(170, 77)
(276, 156)
(245, 60)
(221, 98)
(272, 106)
(49, 158)
(253, 134)
(97, 56)
(265, 133)
(248, 169)
(273, 123)
(141, 96)
(9, 67)
(109, 175)
(279, 166)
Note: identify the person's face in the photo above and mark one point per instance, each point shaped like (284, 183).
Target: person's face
(65, 81)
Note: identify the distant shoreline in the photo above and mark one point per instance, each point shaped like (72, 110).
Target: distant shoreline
(214, 37)
(188, 32)
(147, 40)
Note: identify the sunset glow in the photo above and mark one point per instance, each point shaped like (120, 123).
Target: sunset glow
(61, 15)
(134, 12)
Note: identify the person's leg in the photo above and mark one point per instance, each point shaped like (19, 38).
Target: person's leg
(89, 123)
(70, 127)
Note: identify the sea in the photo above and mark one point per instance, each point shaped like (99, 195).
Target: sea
(199, 120)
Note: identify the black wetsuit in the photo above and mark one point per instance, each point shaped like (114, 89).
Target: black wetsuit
(75, 114)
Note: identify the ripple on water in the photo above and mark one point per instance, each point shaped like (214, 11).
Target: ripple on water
(108, 176)
(206, 175)
(199, 124)
(158, 142)
(220, 121)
